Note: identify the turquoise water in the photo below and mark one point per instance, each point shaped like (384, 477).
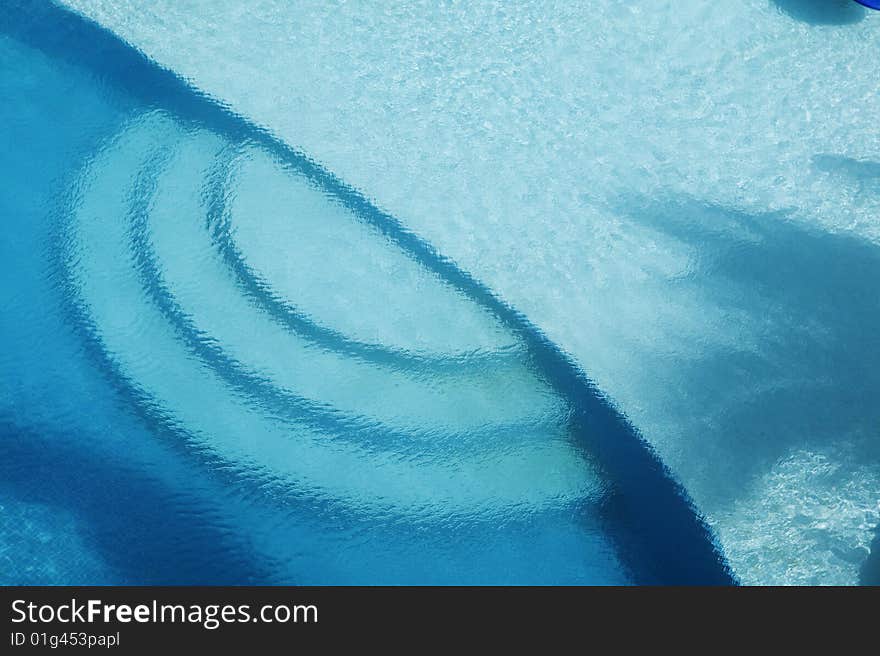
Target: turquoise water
(224, 365)
(582, 229)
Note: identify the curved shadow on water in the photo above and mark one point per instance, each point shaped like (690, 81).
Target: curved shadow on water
(803, 371)
(808, 306)
(866, 174)
(657, 530)
(861, 171)
(295, 408)
(291, 317)
(823, 12)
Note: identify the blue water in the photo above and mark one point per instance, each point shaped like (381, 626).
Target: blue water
(681, 196)
(221, 364)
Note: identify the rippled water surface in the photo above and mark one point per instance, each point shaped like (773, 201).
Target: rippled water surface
(222, 364)
(681, 195)
(397, 292)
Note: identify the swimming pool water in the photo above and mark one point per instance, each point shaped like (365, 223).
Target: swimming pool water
(680, 195)
(224, 365)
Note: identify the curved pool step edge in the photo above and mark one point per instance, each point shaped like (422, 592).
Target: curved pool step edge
(681, 547)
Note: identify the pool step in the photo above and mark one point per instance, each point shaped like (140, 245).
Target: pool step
(446, 394)
(235, 382)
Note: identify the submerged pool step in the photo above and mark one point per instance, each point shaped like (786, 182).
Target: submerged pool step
(431, 402)
(237, 383)
(315, 242)
(229, 288)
